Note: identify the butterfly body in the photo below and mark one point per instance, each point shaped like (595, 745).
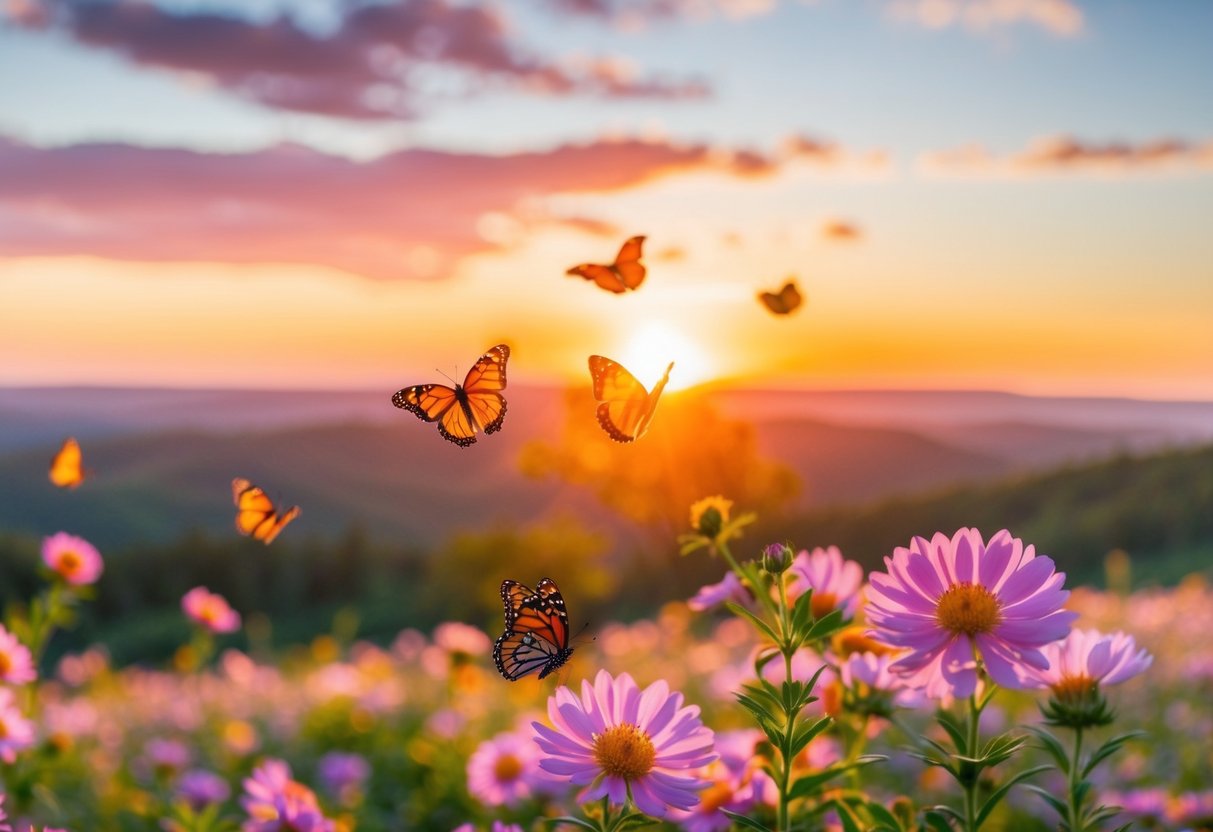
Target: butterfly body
(536, 636)
(465, 409)
(626, 273)
(783, 302)
(625, 407)
(67, 470)
(256, 515)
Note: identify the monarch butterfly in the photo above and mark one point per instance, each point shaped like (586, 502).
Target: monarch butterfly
(536, 633)
(255, 512)
(625, 408)
(66, 469)
(783, 302)
(476, 405)
(625, 273)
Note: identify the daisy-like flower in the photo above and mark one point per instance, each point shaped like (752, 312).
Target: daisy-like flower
(713, 595)
(709, 515)
(834, 580)
(461, 640)
(621, 741)
(16, 732)
(870, 687)
(1079, 665)
(200, 788)
(951, 602)
(210, 610)
(16, 662)
(736, 783)
(343, 775)
(497, 826)
(502, 771)
(72, 558)
(276, 803)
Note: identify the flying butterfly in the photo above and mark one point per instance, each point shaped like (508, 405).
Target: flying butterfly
(536, 633)
(256, 514)
(783, 302)
(625, 407)
(67, 469)
(462, 411)
(618, 277)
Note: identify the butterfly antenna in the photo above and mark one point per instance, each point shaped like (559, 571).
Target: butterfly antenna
(444, 375)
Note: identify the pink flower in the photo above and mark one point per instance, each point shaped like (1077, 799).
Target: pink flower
(736, 783)
(164, 757)
(713, 595)
(497, 826)
(210, 610)
(461, 639)
(835, 582)
(1086, 657)
(72, 558)
(276, 803)
(16, 732)
(16, 663)
(954, 602)
(343, 775)
(871, 686)
(200, 788)
(617, 740)
(503, 770)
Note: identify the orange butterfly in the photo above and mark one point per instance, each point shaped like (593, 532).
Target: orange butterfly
(476, 405)
(625, 273)
(255, 512)
(783, 302)
(536, 633)
(66, 469)
(625, 408)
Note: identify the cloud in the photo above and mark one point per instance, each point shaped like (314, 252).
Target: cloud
(1059, 17)
(841, 231)
(409, 214)
(1066, 154)
(382, 61)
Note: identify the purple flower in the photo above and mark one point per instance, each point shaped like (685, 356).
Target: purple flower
(497, 826)
(503, 770)
(713, 595)
(342, 775)
(835, 581)
(871, 687)
(736, 783)
(617, 739)
(16, 732)
(953, 602)
(200, 788)
(1088, 657)
(276, 803)
(164, 757)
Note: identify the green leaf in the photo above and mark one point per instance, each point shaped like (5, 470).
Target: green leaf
(1053, 745)
(805, 734)
(993, 800)
(802, 610)
(937, 820)
(747, 822)
(756, 707)
(764, 658)
(689, 543)
(824, 627)
(1059, 805)
(567, 819)
(1108, 749)
(954, 729)
(850, 823)
(810, 783)
(754, 619)
(882, 816)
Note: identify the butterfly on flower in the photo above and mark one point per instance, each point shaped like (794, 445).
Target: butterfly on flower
(67, 470)
(466, 409)
(256, 515)
(625, 407)
(783, 302)
(536, 633)
(618, 277)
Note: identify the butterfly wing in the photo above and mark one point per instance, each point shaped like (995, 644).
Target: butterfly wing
(255, 512)
(66, 469)
(428, 402)
(783, 302)
(625, 407)
(604, 277)
(483, 385)
(274, 525)
(627, 263)
(536, 633)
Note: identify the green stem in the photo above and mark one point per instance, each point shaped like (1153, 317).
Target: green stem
(788, 649)
(970, 782)
(1075, 819)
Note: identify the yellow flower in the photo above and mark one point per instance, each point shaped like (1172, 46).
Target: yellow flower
(710, 514)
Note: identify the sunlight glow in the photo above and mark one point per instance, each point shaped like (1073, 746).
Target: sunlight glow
(651, 347)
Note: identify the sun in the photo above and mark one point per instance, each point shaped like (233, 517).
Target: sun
(651, 346)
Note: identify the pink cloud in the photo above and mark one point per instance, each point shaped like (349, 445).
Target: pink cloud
(372, 66)
(1059, 17)
(1066, 154)
(409, 214)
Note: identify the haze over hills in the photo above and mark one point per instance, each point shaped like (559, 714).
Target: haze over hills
(164, 458)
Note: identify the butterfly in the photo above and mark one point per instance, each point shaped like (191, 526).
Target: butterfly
(66, 470)
(625, 408)
(625, 273)
(476, 405)
(783, 302)
(255, 512)
(536, 633)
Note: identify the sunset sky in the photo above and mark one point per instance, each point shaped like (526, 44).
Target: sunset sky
(993, 194)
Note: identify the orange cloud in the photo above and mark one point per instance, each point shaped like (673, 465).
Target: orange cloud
(1065, 154)
(409, 214)
(841, 231)
(1060, 17)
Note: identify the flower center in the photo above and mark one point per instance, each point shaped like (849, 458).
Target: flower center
(714, 796)
(968, 608)
(507, 769)
(822, 604)
(69, 562)
(6, 663)
(624, 751)
(1076, 688)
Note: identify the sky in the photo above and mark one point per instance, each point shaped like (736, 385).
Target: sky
(970, 194)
